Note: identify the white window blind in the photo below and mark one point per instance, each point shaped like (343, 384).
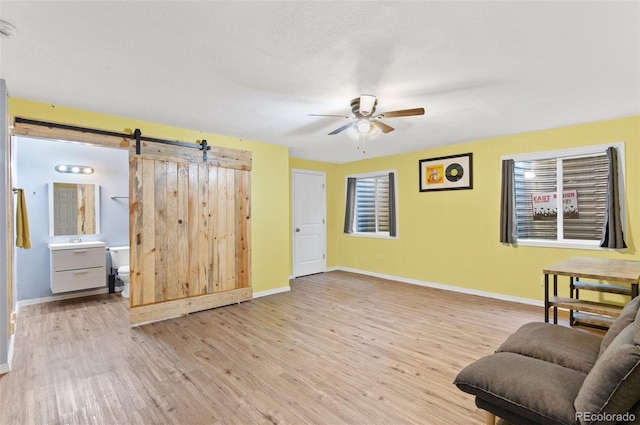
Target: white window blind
(584, 176)
(372, 205)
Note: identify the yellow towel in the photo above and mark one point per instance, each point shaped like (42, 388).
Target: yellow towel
(23, 238)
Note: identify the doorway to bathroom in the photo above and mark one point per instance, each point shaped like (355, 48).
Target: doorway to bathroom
(57, 219)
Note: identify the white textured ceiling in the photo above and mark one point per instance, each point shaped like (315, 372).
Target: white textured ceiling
(254, 70)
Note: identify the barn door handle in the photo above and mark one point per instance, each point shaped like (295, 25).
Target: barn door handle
(297, 229)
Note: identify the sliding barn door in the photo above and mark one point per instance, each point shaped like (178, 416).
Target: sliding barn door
(189, 230)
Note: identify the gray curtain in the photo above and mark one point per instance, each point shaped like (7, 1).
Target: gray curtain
(351, 205)
(508, 221)
(612, 236)
(392, 205)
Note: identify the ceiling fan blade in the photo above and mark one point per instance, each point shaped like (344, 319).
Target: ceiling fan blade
(323, 115)
(382, 126)
(341, 129)
(402, 113)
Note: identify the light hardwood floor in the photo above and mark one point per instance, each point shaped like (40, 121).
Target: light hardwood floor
(339, 348)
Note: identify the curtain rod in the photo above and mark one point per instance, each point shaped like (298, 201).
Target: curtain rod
(109, 133)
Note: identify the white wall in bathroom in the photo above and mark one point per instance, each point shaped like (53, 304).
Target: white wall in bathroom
(36, 159)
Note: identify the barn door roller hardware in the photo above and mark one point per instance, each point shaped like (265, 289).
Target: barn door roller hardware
(204, 147)
(137, 135)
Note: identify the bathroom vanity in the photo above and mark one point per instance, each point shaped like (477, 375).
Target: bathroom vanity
(77, 265)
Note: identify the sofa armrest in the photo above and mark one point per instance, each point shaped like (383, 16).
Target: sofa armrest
(613, 385)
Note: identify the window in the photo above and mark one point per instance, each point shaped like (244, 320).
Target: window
(560, 197)
(371, 205)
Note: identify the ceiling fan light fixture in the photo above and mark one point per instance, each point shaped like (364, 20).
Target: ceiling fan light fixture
(363, 126)
(367, 103)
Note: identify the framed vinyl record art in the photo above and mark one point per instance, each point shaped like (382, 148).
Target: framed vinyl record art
(446, 173)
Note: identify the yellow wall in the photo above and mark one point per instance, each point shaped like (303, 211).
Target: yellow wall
(448, 237)
(269, 207)
(452, 237)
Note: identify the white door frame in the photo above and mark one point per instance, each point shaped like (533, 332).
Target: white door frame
(295, 171)
(7, 296)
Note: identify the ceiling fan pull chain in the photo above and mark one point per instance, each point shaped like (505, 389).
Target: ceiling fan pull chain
(362, 139)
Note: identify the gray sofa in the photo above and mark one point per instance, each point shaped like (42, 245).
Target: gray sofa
(550, 374)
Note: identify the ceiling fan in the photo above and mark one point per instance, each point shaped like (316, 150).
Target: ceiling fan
(364, 119)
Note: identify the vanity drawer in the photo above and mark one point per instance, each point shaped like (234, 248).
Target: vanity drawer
(78, 258)
(74, 280)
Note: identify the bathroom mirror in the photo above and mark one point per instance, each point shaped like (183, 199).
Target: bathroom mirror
(74, 209)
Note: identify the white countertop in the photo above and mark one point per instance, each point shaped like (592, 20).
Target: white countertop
(76, 245)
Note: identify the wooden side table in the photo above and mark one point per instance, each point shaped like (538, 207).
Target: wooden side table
(626, 272)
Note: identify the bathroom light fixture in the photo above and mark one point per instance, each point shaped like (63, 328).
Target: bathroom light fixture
(74, 169)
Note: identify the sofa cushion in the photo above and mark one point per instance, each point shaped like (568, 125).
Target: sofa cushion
(613, 385)
(539, 391)
(627, 315)
(634, 416)
(557, 344)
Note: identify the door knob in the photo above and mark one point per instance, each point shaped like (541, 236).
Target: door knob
(297, 229)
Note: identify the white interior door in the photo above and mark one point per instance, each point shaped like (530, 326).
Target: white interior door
(309, 227)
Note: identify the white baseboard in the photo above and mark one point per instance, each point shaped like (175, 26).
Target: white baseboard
(52, 298)
(271, 291)
(10, 353)
(451, 288)
(6, 367)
